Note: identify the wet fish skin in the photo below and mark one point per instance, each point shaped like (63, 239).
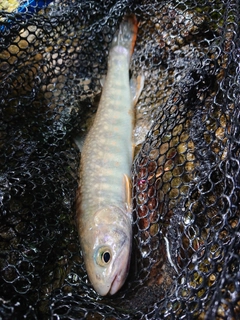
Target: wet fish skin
(104, 199)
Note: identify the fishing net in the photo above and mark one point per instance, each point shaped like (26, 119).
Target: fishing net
(186, 173)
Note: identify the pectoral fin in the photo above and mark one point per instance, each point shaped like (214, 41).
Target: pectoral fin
(102, 80)
(128, 191)
(136, 85)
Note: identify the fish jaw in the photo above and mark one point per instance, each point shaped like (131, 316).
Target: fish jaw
(121, 276)
(113, 235)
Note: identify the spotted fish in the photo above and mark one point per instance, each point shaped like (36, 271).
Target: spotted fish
(104, 197)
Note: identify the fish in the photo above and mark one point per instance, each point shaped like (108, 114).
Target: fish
(103, 201)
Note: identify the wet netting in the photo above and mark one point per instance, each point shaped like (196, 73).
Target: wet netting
(186, 172)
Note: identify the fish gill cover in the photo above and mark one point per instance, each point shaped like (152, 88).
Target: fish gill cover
(186, 173)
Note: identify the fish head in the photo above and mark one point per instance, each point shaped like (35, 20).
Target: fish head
(108, 249)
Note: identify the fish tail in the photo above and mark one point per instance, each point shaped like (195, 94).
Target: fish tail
(127, 33)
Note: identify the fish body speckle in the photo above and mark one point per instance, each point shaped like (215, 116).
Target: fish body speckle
(103, 200)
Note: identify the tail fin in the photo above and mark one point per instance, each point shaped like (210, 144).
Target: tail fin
(127, 33)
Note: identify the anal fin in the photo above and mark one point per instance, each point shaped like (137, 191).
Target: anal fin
(127, 184)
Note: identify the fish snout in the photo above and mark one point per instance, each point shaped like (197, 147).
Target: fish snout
(100, 286)
(103, 288)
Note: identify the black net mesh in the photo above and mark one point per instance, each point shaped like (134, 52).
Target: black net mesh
(186, 174)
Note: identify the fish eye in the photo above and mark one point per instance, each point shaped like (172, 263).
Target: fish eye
(103, 256)
(106, 257)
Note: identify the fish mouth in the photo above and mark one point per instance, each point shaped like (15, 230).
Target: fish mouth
(116, 284)
(119, 279)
